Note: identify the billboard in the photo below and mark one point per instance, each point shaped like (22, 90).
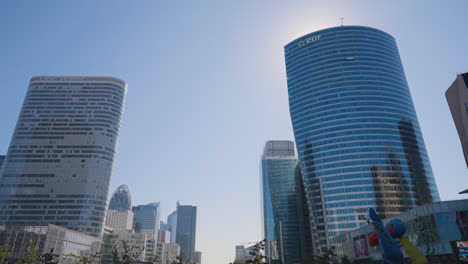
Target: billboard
(462, 250)
(360, 246)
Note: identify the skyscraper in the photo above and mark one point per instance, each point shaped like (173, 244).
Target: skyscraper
(457, 99)
(280, 208)
(172, 224)
(355, 125)
(186, 230)
(121, 199)
(61, 156)
(147, 219)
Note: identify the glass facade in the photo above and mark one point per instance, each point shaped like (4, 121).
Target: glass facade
(60, 159)
(121, 199)
(147, 219)
(44, 238)
(281, 217)
(356, 130)
(434, 227)
(186, 231)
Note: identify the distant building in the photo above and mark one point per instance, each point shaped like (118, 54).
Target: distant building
(164, 236)
(197, 255)
(151, 250)
(118, 220)
(457, 99)
(186, 230)
(281, 216)
(172, 224)
(45, 237)
(147, 219)
(167, 253)
(62, 153)
(121, 199)
(440, 224)
(164, 226)
(2, 159)
(139, 243)
(243, 254)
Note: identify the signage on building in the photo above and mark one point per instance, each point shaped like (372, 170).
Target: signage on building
(308, 40)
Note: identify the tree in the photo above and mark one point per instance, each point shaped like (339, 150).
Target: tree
(27, 254)
(130, 254)
(5, 252)
(49, 258)
(257, 253)
(92, 258)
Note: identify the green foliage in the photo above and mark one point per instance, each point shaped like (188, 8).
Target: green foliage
(27, 254)
(49, 258)
(90, 259)
(129, 254)
(5, 252)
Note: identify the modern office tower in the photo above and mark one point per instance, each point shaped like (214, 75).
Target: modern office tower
(119, 220)
(163, 226)
(457, 99)
(306, 245)
(279, 202)
(164, 236)
(167, 253)
(147, 219)
(172, 224)
(186, 230)
(354, 123)
(61, 155)
(2, 159)
(197, 257)
(243, 254)
(121, 199)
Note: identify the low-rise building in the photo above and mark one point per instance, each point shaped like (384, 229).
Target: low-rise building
(167, 253)
(437, 227)
(136, 243)
(119, 219)
(44, 238)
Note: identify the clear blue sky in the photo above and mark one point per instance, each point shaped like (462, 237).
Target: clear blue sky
(207, 87)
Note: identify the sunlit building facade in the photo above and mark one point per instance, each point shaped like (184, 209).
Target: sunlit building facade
(60, 160)
(279, 201)
(356, 129)
(186, 230)
(147, 219)
(121, 199)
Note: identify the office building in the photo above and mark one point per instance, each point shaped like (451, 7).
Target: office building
(279, 201)
(172, 225)
(44, 237)
(147, 219)
(356, 129)
(2, 159)
(139, 244)
(164, 236)
(167, 253)
(197, 257)
(163, 226)
(61, 156)
(186, 230)
(457, 99)
(121, 199)
(119, 220)
(243, 254)
(437, 225)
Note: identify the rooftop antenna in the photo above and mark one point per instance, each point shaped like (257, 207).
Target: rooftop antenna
(342, 21)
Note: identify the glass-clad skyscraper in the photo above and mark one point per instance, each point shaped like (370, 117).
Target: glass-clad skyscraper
(121, 199)
(281, 214)
(147, 219)
(60, 160)
(356, 130)
(186, 231)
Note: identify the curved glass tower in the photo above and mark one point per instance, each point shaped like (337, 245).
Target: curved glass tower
(61, 156)
(121, 199)
(356, 129)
